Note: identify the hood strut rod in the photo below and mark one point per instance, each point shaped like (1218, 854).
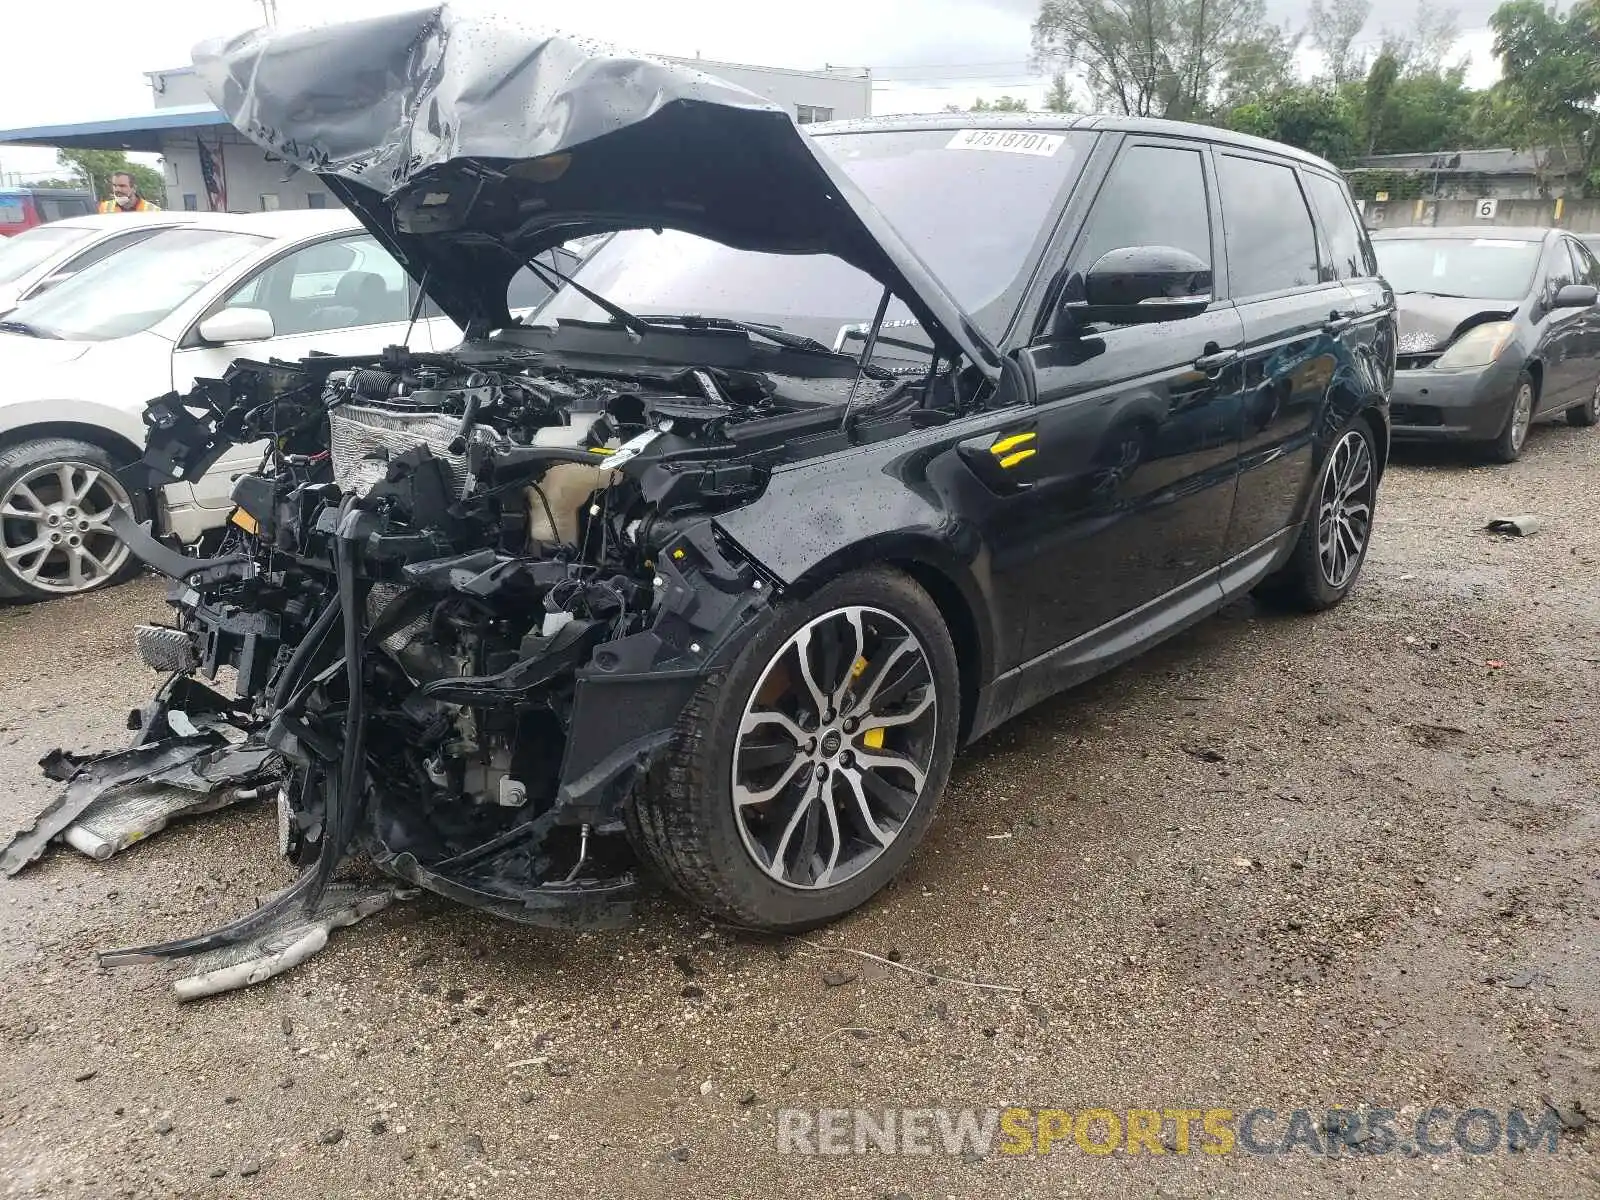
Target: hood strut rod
(867, 352)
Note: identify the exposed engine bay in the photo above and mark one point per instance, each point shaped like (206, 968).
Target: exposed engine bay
(461, 605)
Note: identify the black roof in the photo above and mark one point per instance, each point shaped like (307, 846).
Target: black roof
(1050, 121)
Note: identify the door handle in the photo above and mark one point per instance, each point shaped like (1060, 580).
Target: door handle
(1214, 361)
(1338, 321)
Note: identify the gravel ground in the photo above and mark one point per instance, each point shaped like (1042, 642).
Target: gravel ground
(1279, 862)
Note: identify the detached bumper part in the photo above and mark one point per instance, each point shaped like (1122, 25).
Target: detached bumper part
(286, 943)
(158, 764)
(118, 821)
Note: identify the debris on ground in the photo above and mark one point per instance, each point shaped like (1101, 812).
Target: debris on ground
(287, 942)
(1525, 525)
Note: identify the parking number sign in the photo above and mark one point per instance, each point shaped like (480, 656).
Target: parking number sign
(1486, 209)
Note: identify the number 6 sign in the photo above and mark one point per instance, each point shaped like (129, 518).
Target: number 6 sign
(1486, 209)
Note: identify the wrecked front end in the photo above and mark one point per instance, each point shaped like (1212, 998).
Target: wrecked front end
(454, 618)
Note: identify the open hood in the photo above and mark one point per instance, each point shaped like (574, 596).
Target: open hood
(469, 144)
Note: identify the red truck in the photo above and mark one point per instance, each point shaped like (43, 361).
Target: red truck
(23, 208)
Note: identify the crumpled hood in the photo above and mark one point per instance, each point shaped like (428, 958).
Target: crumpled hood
(1430, 322)
(469, 144)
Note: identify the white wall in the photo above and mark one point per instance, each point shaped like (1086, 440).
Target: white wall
(841, 96)
(249, 174)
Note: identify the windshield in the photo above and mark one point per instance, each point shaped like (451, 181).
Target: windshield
(129, 292)
(1473, 268)
(21, 254)
(970, 203)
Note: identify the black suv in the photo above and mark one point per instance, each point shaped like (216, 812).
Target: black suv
(849, 444)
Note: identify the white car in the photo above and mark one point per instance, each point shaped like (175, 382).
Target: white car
(37, 259)
(81, 361)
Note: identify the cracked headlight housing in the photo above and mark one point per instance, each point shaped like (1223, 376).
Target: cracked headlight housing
(1478, 347)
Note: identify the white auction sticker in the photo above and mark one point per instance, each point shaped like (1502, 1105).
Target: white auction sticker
(1008, 141)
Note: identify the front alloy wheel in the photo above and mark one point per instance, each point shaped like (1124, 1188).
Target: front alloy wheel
(834, 747)
(1507, 448)
(802, 777)
(56, 501)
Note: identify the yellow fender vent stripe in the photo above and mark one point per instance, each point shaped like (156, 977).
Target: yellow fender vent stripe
(1006, 445)
(1012, 460)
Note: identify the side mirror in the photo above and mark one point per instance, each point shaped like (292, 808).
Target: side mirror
(1576, 295)
(237, 325)
(1140, 285)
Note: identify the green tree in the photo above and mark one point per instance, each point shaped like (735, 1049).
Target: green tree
(1550, 79)
(1422, 49)
(1163, 58)
(1059, 97)
(1004, 104)
(1381, 81)
(1320, 120)
(1257, 66)
(1424, 112)
(93, 169)
(1332, 29)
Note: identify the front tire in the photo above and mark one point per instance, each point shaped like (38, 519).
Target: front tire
(1328, 558)
(56, 495)
(1507, 448)
(800, 783)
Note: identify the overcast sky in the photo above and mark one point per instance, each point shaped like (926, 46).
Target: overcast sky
(80, 62)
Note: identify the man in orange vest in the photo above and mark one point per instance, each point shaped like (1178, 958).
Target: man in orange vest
(125, 196)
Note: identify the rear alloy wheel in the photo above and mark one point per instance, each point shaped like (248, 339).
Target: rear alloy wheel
(1333, 543)
(800, 785)
(56, 501)
(1587, 413)
(1507, 448)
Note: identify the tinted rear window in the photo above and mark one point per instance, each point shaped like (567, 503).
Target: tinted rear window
(1471, 268)
(1272, 245)
(1339, 222)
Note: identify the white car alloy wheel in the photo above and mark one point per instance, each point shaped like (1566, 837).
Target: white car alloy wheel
(55, 535)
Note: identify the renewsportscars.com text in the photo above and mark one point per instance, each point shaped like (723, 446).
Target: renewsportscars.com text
(1168, 1130)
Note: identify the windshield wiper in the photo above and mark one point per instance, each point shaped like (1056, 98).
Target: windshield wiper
(1437, 295)
(615, 311)
(27, 330)
(860, 333)
(775, 334)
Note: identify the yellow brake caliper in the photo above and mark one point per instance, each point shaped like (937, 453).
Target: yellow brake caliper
(872, 739)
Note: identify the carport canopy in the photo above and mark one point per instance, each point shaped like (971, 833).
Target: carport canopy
(142, 133)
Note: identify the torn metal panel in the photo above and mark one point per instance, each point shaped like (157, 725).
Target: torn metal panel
(151, 763)
(117, 821)
(286, 943)
(112, 801)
